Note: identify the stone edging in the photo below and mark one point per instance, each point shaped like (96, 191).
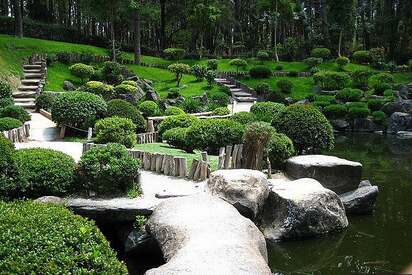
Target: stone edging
(18, 135)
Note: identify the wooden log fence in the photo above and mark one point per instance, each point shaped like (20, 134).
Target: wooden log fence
(231, 157)
(147, 138)
(167, 164)
(18, 135)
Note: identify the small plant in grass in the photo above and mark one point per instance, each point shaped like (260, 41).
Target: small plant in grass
(82, 71)
(331, 80)
(285, 86)
(149, 108)
(173, 92)
(263, 56)
(8, 123)
(220, 99)
(349, 95)
(5, 89)
(238, 63)
(116, 129)
(362, 57)
(17, 112)
(199, 72)
(342, 61)
(108, 170)
(179, 69)
(112, 72)
(174, 53)
(210, 77)
(212, 64)
(191, 105)
(323, 53)
(278, 67)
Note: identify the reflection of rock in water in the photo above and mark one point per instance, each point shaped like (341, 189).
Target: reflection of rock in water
(304, 255)
(400, 146)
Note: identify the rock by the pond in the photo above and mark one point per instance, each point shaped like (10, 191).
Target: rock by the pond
(404, 134)
(202, 234)
(340, 124)
(400, 122)
(365, 125)
(361, 200)
(246, 190)
(68, 86)
(336, 174)
(300, 209)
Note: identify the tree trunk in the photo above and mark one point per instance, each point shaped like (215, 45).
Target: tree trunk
(113, 40)
(340, 43)
(137, 38)
(162, 24)
(276, 32)
(18, 19)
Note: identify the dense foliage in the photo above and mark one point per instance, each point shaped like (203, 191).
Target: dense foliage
(82, 71)
(149, 108)
(16, 112)
(116, 129)
(331, 80)
(177, 137)
(99, 88)
(176, 121)
(8, 168)
(122, 108)
(8, 123)
(244, 117)
(267, 111)
(278, 149)
(44, 101)
(260, 72)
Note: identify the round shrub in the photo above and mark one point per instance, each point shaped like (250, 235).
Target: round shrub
(278, 67)
(360, 79)
(285, 86)
(211, 134)
(125, 89)
(173, 111)
(82, 71)
(99, 88)
(78, 109)
(8, 168)
(149, 108)
(116, 129)
(376, 104)
(130, 83)
(389, 93)
(112, 72)
(212, 64)
(179, 69)
(358, 112)
(108, 170)
(8, 123)
(16, 112)
(263, 88)
(380, 80)
(179, 121)
(199, 72)
(348, 95)
(379, 117)
(342, 61)
(244, 118)
(323, 53)
(279, 149)
(380, 88)
(262, 55)
(238, 63)
(191, 105)
(44, 101)
(307, 127)
(5, 89)
(260, 72)
(361, 57)
(177, 138)
(221, 111)
(220, 99)
(173, 93)
(122, 108)
(174, 53)
(335, 111)
(7, 101)
(313, 61)
(275, 96)
(267, 111)
(44, 172)
(331, 80)
(210, 77)
(42, 238)
(357, 105)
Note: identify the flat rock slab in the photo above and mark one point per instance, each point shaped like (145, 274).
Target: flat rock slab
(300, 209)
(361, 200)
(202, 234)
(336, 174)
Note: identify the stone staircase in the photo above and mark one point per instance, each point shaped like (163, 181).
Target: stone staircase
(239, 93)
(32, 82)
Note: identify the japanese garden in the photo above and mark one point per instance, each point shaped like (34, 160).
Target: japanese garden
(205, 137)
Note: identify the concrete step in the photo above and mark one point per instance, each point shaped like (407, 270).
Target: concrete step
(34, 71)
(230, 86)
(33, 76)
(24, 100)
(246, 99)
(241, 94)
(31, 66)
(24, 94)
(28, 88)
(30, 82)
(27, 105)
(235, 90)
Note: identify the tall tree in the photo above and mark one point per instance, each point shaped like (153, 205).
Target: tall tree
(18, 16)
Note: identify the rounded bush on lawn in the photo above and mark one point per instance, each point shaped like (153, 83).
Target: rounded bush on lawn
(331, 80)
(335, 111)
(267, 111)
(360, 79)
(8, 123)
(179, 121)
(244, 118)
(323, 53)
(5, 89)
(78, 109)
(99, 88)
(260, 72)
(279, 149)
(307, 127)
(8, 168)
(313, 61)
(262, 55)
(174, 53)
(112, 72)
(191, 105)
(220, 99)
(238, 63)
(349, 95)
(173, 111)
(122, 108)
(362, 57)
(199, 71)
(221, 111)
(285, 86)
(211, 134)
(16, 112)
(43, 172)
(342, 61)
(44, 101)
(41, 238)
(116, 129)
(212, 64)
(263, 88)
(177, 137)
(82, 71)
(149, 108)
(108, 170)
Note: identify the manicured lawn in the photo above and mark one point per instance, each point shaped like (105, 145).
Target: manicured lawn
(167, 149)
(57, 74)
(404, 78)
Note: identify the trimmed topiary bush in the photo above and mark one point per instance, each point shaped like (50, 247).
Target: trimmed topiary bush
(178, 121)
(307, 127)
(177, 137)
(191, 105)
(16, 112)
(278, 149)
(44, 101)
(331, 80)
(221, 111)
(380, 88)
(5, 89)
(43, 172)
(199, 72)
(263, 55)
(179, 69)
(8, 168)
(174, 53)
(238, 63)
(220, 99)
(173, 93)
(379, 117)
(41, 238)
(260, 72)
(376, 104)
(8, 123)
(349, 95)
(99, 88)
(149, 108)
(174, 111)
(267, 111)
(130, 83)
(381, 82)
(335, 111)
(285, 86)
(342, 61)
(108, 170)
(360, 79)
(362, 57)
(212, 64)
(116, 129)
(323, 53)
(122, 108)
(358, 112)
(210, 77)
(244, 118)
(263, 88)
(211, 134)
(313, 62)
(78, 109)
(112, 72)
(82, 71)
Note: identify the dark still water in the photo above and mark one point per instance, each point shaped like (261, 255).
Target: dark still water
(380, 243)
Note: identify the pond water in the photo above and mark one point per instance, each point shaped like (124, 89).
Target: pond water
(372, 244)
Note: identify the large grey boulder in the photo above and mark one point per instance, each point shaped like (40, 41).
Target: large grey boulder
(362, 200)
(300, 209)
(68, 86)
(202, 234)
(336, 174)
(246, 190)
(400, 122)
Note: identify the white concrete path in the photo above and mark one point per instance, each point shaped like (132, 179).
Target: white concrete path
(42, 129)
